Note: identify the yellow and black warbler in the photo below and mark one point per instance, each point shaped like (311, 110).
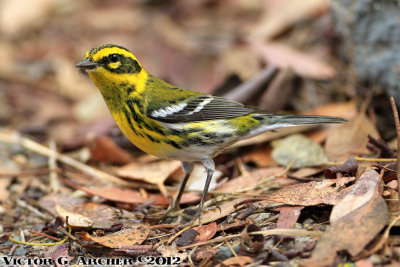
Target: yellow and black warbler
(173, 123)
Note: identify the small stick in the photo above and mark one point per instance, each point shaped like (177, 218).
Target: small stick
(45, 235)
(288, 232)
(396, 121)
(42, 150)
(54, 182)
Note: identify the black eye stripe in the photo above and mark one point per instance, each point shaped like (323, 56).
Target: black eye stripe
(128, 64)
(114, 58)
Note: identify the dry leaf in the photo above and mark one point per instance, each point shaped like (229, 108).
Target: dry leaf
(302, 64)
(261, 156)
(237, 261)
(361, 193)
(104, 149)
(153, 173)
(198, 177)
(350, 139)
(252, 243)
(123, 238)
(221, 211)
(352, 232)
(206, 232)
(299, 150)
(328, 191)
(288, 217)
(249, 179)
(74, 219)
(280, 15)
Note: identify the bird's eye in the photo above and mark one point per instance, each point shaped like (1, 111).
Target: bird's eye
(114, 58)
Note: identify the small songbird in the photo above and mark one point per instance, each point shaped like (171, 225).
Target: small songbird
(174, 123)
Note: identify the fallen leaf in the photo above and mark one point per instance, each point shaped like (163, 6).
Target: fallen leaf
(153, 173)
(237, 261)
(103, 149)
(348, 168)
(360, 194)
(300, 150)
(328, 191)
(187, 237)
(205, 232)
(74, 219)
(221, 211)
(288, 216)
(102, 216)
(130, 196)
(116, 194)
(281, 15)
(261, 156)
(249, 179)
(198, 177)
(285, 57)
(350, 139)
(352, 232)
(252, 242)
(123, 238)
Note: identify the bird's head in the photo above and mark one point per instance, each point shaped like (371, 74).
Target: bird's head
(112, 66)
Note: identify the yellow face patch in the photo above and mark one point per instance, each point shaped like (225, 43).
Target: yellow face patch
(114, 65)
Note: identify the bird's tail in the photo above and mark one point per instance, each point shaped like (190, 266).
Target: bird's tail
(302, 119)
(270, 122)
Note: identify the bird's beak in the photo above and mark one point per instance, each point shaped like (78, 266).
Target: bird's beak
(87, 64)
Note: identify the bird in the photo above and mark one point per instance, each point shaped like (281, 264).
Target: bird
(174, 123)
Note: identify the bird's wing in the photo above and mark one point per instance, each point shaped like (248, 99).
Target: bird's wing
(200, 108)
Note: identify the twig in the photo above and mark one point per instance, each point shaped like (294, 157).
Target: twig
(25, 205)
(42, 150)
(45, 235)
(288, 232)
(396, 120)
(246, 90)
(54, 183)
(28, 172)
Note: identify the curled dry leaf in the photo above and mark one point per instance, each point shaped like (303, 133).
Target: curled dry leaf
(252, 243)
(206, 232)
(353, 231)
(361, 193)
(74, 219)
(123, 238)
(349, 168)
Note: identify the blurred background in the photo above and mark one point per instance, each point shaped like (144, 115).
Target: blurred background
(323, 52)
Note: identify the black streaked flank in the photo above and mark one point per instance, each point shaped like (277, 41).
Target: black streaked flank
(152, 139)
(172, 143)
(128, 118)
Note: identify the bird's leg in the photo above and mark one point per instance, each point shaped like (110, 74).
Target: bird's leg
(209, 165)
(187, 169)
